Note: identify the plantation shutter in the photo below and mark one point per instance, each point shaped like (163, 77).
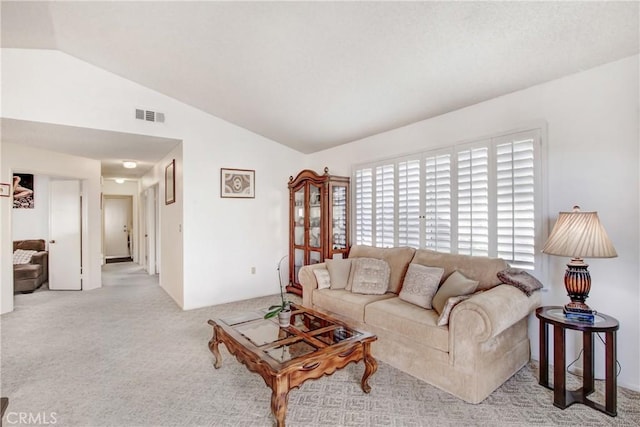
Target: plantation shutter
(364, 206)
(473, 201)
(384, 206)
(438, 203)
(409, 203)
(480, 198)
(515, 193)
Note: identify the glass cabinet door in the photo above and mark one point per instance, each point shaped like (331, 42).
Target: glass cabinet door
(315, 257)
(315, 216)
(298, 255)
(339, 217)
(298, 217)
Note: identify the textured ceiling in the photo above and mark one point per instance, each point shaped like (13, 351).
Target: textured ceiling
(312, 75)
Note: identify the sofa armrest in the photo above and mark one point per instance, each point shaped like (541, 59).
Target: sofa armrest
(309, 282)
(39, 257)
(42, 258)
(489, 313)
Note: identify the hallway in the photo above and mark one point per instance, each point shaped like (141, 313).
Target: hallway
(126, 274)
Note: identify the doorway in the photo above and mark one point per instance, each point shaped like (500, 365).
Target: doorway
(118, 225)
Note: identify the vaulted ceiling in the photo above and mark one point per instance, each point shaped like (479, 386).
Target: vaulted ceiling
(312, 75)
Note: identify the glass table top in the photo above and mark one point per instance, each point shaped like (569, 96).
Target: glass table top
(306, 334)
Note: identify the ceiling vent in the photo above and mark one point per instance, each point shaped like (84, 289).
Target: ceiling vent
(149, 116)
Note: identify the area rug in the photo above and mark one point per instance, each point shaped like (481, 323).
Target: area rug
(126, 355)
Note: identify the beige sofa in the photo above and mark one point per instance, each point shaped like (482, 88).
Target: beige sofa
(485, 343)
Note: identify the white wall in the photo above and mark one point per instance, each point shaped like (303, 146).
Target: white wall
(593, 151)
(171, 219)
(33, 223)
(222, 238)
(127, 188)
(41, 162)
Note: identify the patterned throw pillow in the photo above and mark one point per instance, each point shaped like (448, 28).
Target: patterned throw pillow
(520, 279)
(20, 256)
(455, 285)
(339, 270)
(323, 278)
(370, 276)
(443, 320)
(420, 284)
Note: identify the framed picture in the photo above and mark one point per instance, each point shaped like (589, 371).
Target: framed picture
(5, 189)
(170, 183)
(23, 195)
(237, 183)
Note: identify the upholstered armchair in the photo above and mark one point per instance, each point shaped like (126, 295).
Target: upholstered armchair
(29, 277)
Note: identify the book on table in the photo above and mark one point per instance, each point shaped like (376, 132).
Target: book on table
(580, 317)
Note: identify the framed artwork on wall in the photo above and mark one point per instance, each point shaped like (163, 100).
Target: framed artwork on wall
(170, 183)
(237, 183)
(5, 189)
(23, 195)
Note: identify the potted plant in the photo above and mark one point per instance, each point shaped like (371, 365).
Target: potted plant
(282, 310)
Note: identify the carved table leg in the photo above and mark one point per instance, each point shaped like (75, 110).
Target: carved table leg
(370, 367)
(213, 347)
(279, 398)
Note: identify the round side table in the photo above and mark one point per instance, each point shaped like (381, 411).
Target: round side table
(562, 397)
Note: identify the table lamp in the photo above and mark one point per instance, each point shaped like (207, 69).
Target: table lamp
(578, 235)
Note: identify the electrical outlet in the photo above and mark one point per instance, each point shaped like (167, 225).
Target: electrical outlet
(253, 270)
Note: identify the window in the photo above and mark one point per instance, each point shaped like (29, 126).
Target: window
(437, 202)
(479, 198)
(364, 206)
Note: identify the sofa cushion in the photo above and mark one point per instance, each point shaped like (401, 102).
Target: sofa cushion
(370, 276)
(420, 285)
(483, 269)
(322, 277)
(21, 256)
(401, 317)
(339, 270)
(443, 320)
(345, 303)
(397, 258)
(26, 271)
(455, 285)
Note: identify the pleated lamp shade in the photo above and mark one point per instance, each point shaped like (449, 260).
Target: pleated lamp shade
(579, 234)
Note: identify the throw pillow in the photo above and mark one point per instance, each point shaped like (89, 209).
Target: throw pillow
(443, 320)
(520, 279)
(420, 284)
(21, 256)
(323, 278)
(455, 285)
(370, 276)
(339, 270)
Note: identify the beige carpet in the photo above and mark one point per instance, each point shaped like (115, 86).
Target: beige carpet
(126, 355)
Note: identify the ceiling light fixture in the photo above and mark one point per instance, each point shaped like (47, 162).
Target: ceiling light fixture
(129, 164)
(119, 180)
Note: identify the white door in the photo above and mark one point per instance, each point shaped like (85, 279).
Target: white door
(117, 223)
(65, 261)
(150, 230)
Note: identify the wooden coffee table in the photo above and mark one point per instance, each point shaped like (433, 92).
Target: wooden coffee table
(312, 346)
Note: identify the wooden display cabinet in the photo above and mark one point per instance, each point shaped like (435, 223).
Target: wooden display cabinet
(318, 221)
